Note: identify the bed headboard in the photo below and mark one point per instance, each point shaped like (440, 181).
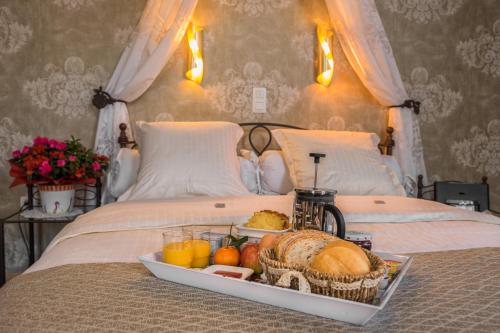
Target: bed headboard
(385, 146)
(253, 127)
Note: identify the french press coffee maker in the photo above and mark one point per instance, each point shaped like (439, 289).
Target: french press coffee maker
(312, 205)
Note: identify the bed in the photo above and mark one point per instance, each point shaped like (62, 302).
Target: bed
(89, 279)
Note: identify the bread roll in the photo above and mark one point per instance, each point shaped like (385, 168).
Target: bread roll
(326, 263)
(349, 245)
(341, 260)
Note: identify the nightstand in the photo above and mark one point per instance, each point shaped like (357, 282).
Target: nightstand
(87, 198)
(472, 196)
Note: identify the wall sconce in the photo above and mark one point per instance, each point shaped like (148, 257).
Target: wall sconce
(325, 55)
(195, 55)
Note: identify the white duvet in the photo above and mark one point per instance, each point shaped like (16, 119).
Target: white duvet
(122, 231)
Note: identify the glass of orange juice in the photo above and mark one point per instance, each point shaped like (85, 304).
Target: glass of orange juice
(178, 247)
(201, 248)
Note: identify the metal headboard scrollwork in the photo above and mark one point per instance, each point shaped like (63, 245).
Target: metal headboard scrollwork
(265, 127)
(385, 146)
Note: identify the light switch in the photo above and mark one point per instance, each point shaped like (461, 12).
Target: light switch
(259, 101)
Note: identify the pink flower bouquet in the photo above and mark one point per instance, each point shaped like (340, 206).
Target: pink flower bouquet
(51, 162)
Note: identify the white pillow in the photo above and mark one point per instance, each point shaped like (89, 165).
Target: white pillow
(127, 163)
(275, 178)
(353, 163)
(249, 170)
(272, 172)
(393, 164)
(181, 159)
(274, 175)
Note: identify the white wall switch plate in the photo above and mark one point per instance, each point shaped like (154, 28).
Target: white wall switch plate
(259, 100)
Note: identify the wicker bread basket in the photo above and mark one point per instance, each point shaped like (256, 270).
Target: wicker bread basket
(274, 269)
(359, 288)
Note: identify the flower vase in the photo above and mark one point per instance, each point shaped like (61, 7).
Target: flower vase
(57, 199)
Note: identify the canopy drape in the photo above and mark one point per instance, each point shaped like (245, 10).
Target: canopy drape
(160, 30)
(361, 34)
(367, 48)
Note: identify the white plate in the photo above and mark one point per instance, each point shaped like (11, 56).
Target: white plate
(245, 272)
(319, 305)
(257, 233)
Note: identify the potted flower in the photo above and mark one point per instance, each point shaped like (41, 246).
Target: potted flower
(56, 167)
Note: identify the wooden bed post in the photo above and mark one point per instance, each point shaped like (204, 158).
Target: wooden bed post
(420, 186)
(484, 180)
(386, 146)
(123, 138)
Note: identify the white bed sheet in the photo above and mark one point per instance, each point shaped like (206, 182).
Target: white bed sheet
(120, 232)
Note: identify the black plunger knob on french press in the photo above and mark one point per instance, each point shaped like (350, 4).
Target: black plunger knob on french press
(316, 156)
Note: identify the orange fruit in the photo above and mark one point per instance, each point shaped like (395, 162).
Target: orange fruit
(228, 255)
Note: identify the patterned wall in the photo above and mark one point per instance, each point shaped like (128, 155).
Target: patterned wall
(448, 52)
(53, 52)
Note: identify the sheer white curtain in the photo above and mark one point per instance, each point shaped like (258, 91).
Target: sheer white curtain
(156, 37)
(364, 41)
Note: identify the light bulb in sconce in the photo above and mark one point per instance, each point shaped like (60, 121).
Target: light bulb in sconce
(325, 61)
(195, 53)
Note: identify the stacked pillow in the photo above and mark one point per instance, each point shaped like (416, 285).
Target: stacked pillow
(187, 159)
(180, 159)
(274, 175)
(128, 163)
(353, 164)
(249, 170)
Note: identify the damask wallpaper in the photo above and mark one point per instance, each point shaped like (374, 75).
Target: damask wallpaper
(54, 52)
(448, 52)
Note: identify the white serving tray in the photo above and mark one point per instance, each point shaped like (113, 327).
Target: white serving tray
(319, 305)
(258, 233)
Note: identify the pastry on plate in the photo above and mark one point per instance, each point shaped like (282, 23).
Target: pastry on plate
(268, 220)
